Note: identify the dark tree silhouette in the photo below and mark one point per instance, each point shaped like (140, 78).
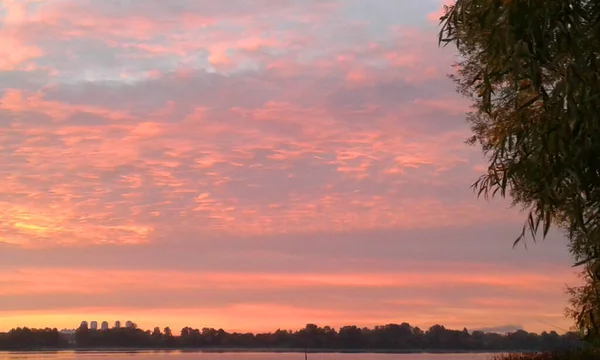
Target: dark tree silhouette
(390, 337)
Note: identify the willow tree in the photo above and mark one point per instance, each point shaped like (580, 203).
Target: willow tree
(532, 71)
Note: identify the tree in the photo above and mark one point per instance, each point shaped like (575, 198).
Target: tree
(532, 71)
(168, 338)
(82, 334)
(167, 331)
(386, 337)
(157, 336)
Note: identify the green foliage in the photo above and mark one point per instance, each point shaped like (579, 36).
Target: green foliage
(532, 70)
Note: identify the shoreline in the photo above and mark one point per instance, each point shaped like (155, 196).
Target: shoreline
(266, 350)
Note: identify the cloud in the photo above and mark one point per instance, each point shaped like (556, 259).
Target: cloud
(282, 148)
(81, 281)
(276, 165)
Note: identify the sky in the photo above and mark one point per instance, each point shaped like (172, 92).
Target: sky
(250, 165)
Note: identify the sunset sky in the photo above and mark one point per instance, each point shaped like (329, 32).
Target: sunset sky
(250, 165)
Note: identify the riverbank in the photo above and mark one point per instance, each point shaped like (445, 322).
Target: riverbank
(265, 350)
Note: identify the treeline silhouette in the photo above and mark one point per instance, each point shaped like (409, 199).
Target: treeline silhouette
(390, 337)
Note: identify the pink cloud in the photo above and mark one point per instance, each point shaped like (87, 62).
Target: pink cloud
(66, 281)
(313, 133)
(209, 146)
(451, 106)
(18, 101)
(435, 16)
(14, 53)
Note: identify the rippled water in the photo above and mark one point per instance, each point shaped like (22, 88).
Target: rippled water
(71, 355)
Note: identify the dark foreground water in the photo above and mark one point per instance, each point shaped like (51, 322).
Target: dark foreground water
(70, 355)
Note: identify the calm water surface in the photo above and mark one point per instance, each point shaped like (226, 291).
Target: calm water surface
(69, 355)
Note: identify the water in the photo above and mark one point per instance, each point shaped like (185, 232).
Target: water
(176, 355)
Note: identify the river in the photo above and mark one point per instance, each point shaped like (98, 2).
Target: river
(178, 355)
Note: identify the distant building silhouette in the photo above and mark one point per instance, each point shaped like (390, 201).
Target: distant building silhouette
(93, 325)
(84, 324)
(117, 324)
(128, 324)
(104, 326)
